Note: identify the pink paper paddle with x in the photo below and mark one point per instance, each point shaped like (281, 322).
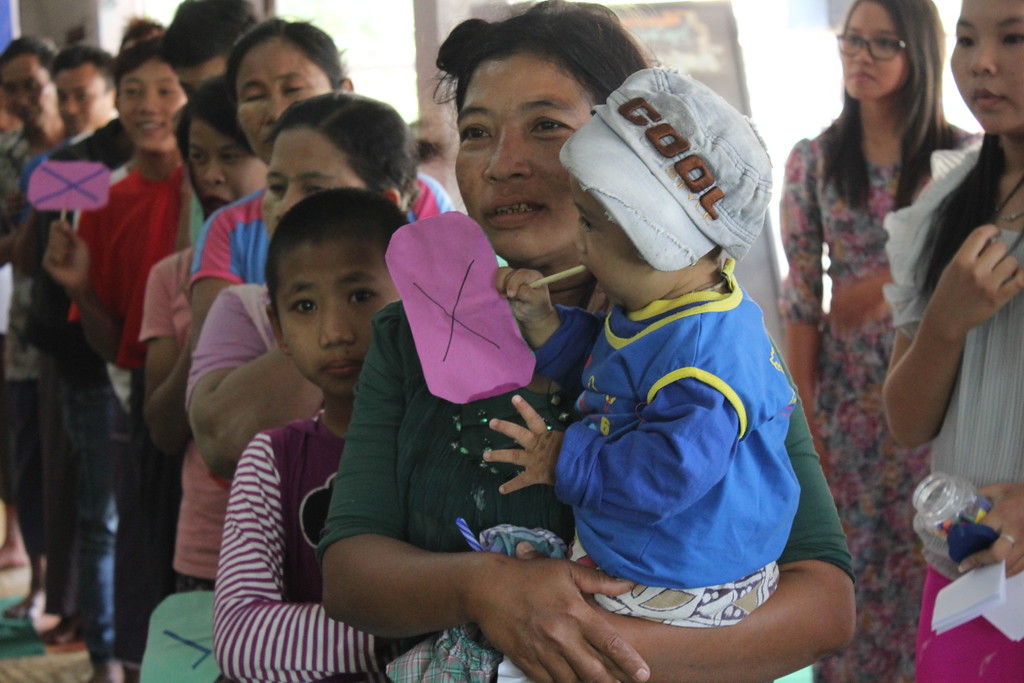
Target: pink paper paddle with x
(466, 337)
(69, 185)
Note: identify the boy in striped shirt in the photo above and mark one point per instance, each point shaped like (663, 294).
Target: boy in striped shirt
(326, 278)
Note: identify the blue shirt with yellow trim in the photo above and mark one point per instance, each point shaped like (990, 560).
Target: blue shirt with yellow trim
(678, 472)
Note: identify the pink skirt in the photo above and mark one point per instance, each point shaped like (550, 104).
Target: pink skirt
(975, 651)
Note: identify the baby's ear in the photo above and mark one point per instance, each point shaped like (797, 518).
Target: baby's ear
(716, 256)
(275, 325)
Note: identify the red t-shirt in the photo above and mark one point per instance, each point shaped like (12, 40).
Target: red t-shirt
(137, 228)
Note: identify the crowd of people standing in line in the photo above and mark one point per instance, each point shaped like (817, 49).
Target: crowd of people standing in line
(181, 364)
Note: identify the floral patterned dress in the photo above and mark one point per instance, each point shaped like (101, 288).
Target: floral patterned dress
(871, 478)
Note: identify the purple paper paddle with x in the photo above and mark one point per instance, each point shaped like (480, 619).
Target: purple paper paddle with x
(466, 337)
(69, 185)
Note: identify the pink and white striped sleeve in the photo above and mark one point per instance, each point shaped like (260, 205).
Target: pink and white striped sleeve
(256, 635)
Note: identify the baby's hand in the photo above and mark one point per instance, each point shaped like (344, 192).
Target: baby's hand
(528, 304)
(539, 452)
(531, 307)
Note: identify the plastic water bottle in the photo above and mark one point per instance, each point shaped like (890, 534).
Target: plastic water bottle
(944, 501)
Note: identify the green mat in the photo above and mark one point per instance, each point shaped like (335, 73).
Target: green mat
(180, 643)
(17, 637)
(801, 676)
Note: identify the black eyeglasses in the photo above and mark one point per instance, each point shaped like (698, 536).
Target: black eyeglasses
(879, 48)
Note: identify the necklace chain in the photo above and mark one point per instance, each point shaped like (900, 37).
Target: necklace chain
(1002, 205)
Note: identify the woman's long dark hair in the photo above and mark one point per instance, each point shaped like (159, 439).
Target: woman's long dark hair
(924, 126)
(971, 204)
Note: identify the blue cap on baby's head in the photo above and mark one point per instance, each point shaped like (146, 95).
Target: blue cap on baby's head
(678, 168)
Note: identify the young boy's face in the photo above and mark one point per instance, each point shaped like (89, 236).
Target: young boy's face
(608, 253)
(149, 99)
(327, 295)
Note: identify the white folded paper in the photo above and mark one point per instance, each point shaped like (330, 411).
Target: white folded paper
(1009, 617)
(970, 596)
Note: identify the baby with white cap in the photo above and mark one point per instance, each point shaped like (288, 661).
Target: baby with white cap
(677, 472)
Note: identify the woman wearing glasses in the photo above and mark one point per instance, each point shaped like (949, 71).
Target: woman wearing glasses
(839, 186)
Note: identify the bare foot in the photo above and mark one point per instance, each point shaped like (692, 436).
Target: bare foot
(29, 608)
(108, 672)
(67, 630)
(32, 606)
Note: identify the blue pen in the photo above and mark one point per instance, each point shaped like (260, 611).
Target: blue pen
(467, 534)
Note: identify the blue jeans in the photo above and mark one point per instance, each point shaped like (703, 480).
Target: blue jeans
(88, 411)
